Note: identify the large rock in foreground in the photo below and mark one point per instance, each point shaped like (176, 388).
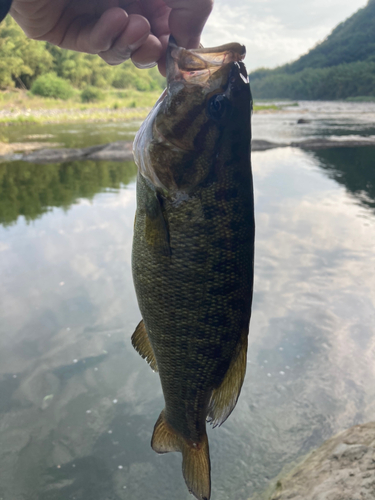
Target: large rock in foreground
(343, 468)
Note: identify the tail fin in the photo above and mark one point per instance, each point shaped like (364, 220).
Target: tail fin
(195, 457)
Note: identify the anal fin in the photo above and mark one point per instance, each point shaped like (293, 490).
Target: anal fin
(196, 465)
(142, 345)
(224, 398)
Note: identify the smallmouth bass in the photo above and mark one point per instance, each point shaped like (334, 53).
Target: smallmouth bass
(193, 248)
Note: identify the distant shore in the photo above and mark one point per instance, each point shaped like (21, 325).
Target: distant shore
(17, 107)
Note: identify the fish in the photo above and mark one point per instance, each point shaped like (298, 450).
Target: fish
(193, 248)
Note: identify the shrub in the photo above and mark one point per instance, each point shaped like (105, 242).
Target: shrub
(91, 94)
(51, 85)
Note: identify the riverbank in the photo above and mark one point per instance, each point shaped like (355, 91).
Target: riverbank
(18, 106)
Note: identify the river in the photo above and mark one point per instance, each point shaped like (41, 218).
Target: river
(78, 404)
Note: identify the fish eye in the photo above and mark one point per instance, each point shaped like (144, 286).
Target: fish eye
(217, 106)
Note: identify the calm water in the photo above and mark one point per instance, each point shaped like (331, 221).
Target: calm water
(77, 403)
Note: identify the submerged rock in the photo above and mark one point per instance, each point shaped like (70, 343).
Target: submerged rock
(261, 145)
(321, 143)
(61, 154)
(123, 150)
(343, 468)
(303, 121)
(114, 151)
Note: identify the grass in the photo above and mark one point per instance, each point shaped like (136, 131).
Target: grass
(266, 107)
(17, 106)
(361, 99)
(23, 107)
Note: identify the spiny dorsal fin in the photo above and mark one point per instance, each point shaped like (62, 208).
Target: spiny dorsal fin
(142, 344)
(224, 398)
(196, 466)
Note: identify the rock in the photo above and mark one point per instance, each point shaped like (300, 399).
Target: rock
(303, 121)
(261, 145)
(12, 147)
(115, 151)
(343, 468)
(60, 155)
(321, 143)
(122, 150)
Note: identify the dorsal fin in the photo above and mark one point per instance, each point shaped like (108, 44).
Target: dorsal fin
(142, 345)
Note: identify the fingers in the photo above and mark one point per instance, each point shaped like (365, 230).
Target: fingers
(187, 19)
(148, 53)
(163, 59)
(103, 34)
(135, 34)
(157, 12)
(115, 37)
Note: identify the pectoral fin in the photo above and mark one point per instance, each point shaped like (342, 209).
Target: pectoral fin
(224, 398)
(196, 466)
(157, 234)
(142, 344)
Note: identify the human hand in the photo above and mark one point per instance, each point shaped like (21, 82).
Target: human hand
(116, 30)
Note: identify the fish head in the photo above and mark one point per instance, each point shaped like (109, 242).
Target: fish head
(206, 106)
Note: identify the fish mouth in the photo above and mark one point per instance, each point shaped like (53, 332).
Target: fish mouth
(199, 66)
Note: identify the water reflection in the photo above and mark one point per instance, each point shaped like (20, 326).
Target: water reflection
(352, 167)
(77, 403)
(31, 190)
(72, 135)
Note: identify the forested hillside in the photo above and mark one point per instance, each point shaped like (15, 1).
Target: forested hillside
(341, 66)
(22, 61)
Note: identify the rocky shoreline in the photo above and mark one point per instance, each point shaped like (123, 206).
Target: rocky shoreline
(343, 468)
(122, 150)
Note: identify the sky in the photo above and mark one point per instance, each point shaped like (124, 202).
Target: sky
(275, 32)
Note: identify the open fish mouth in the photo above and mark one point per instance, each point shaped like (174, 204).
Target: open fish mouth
(198, 66)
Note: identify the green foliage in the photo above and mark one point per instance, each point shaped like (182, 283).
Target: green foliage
(128, 76)
(23, 60)
(29, 190)
(91, 94)
(340, 67)
(338, 82)
(361, 98)
(351, 41)
(51, 85)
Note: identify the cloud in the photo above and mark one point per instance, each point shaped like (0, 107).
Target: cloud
(276, 32)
